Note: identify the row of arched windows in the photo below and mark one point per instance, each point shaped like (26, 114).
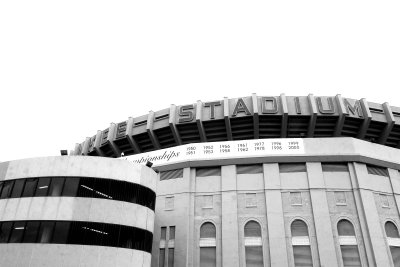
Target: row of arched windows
(300, 243)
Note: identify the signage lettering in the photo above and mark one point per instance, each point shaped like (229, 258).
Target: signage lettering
(265, 109)
(212, 106)
(331, 107)
(186, 113)
(240, 107)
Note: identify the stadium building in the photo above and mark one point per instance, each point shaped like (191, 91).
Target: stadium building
(251, 181)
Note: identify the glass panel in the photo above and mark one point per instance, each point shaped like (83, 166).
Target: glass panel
(86, 187)
(112, 235)
(292, 167)
(1, 186)
(302, 256)
(170, 257)
(6, 192)
(30, 187)
(395, 251)
(345, 228)
(102, 188)
(391, 230)
(70, 187)
(125, 237)
(299, 228)
(209, 171)
(56, 186)
(171, 232)
(5, 231)
(335, 167)
(208, 257)
(171, 174)
(42, 187)
(161, 259)
(94, 233)
(207, 230)
(252, 229)
(350, 256)
(18, 186)
(163, 233)
(254, 257)
(249, 169)
(31, 232)
(17, 232)
(45, 232)
(60, 234)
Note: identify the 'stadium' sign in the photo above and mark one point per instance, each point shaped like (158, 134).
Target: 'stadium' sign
(221, 150)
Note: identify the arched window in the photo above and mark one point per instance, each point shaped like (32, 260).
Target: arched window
(253, 244)
(208, 244)
(301, 244)
(393, 239)
(348, 244)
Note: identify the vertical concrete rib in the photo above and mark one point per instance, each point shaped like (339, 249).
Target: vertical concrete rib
(97, 143)
(111, 138)
(129, 132)
(313, 118)
(149, 129)
(226, 117)
(275, 221)
(369, 219)
(367, 118)
(171, 121)
(320, 210)
(342, 114)
(390, 122)
(199, 121)
(285, 113)
(256, 122)
(229, 218)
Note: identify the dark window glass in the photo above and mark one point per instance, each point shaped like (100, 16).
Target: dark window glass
(163, 233)
(101, 189)
(350, 256)
(254, 256)
(60, 235)
(125, 237)
(161, 259)
(1, 186)
(207, 230)
(6, 192)
(292, 167)
(345, 228)
(94, 233)
(18, 187)
(77, 233)
(17, 232)
(70, 187)
(249, 169)
(171, 232)
(208, 171)
(111, 237)
(45, 232)
(208, 257)
(30, 186)
(167, 175)
(395, 251)
(302, 256)
(56, 186)
(42, 187)
(170, 257)
(252, 229)
(86, 186)
(299, 228)
(376, 170)
(5, 231)
(31, 232)
(335, 167)
(391, 230)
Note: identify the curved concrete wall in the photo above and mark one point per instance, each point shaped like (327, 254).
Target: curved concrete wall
(75, 209)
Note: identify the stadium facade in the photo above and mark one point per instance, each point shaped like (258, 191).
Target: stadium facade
(252, 181)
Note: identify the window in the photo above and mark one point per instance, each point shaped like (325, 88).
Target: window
(295, 199)
(253, 245)
(335, 167)
(163, 238)
(209, 171)
(171, 246)
(167, 175)
(251, 200)
(376, 170)
(301, 244)
(167, 245)
(249, 169)
(77, 232)
(169, 203)
(348, 244)
(393, 240)
(384, 200)
(340, 198)
(207, 202)
(7, 186)
(292, 167)
(207, 244)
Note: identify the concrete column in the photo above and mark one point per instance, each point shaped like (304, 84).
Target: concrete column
(229, 217)
(276, 225)
(373, 237)
(190, 244)
(395, 182)
(322, 221)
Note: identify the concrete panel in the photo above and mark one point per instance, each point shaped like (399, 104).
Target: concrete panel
(23, 208)
(209, 184)
(250, 181)
(296, 180)
(3, 170)
(337, 180)
(90, 256)
(10, 209)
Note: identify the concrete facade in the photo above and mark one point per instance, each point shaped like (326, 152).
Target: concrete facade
(75, 209)
(371, 200)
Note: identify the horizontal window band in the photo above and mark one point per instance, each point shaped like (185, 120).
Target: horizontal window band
(208, 242)
(76, 233)
(88, 187)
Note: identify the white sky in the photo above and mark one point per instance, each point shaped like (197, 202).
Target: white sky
(69, 68)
